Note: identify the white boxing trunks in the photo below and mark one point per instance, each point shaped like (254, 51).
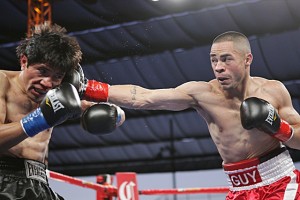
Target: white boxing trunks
(270, 177)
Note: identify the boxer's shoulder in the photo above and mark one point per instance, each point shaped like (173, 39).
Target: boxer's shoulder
(9, 74)
(8, 78)
(4, 79)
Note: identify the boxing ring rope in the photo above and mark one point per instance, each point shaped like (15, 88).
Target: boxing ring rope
(107, 191)
(212, 190)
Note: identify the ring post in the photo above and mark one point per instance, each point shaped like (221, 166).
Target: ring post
(127, 186)
(106, 180)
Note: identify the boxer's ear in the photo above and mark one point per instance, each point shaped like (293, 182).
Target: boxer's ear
(23, 62)
(249, 59)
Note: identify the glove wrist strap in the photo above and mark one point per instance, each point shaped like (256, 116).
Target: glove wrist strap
(285, 132)
(96, 91)
(34, 123)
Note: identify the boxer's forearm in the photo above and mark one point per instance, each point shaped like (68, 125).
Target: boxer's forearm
(129, 96)
(294, 142)
(136, 97)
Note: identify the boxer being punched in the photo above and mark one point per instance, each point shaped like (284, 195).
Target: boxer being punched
(262, 118)
(32, 102)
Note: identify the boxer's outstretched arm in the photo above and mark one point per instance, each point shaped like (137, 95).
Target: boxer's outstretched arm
(136, 97)
(133, 96)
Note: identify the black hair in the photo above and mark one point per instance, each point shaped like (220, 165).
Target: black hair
(237, 37)
(50, 44)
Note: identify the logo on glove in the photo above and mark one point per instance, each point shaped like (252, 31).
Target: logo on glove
(271, 116)
(54, 102)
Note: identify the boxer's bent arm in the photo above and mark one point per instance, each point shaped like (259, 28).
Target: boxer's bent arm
(136, 97)
(288, 113)
(293, 119)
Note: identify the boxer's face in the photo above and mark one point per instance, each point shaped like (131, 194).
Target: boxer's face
(228, 64)
(39, 78)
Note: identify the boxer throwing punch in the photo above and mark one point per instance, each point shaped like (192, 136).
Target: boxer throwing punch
(32, 102)
(263, 120)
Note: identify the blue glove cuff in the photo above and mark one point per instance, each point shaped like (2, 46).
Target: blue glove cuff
(34, 123)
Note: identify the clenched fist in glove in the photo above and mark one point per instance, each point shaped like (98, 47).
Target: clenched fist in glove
(102, 118)
(59, 105)
(90, 90)
(258, 113)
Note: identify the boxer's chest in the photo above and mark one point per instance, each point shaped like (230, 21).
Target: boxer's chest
(17, 106)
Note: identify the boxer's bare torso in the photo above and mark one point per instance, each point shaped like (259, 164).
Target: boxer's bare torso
(220, 110)
(222, 114)
(15, 104)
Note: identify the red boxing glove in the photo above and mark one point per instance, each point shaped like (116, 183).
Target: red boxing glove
(96, 91)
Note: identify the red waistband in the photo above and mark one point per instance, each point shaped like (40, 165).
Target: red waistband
(241, 164)
(252, 161)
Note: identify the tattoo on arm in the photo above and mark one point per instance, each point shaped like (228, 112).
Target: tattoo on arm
(133, 92)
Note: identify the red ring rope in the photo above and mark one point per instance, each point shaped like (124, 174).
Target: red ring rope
(185, 191)
(112, 191)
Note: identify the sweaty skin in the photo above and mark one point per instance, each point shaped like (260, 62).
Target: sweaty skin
(218, 102)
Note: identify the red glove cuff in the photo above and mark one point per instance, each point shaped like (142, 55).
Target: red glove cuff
(96, 91)
(285, 132)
